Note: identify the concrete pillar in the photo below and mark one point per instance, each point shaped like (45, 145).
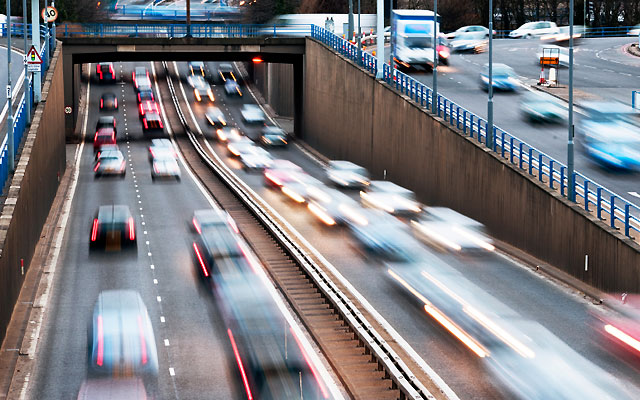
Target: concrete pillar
(68, 77)
(35, 40)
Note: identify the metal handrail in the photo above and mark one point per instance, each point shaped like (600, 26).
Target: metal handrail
(606, 204)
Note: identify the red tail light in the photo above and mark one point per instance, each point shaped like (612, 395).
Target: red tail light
(115, 102)
(323, 389)
(143, 343)
(100, 356)
(123, 166)
(132, 229)
(113, 75)
(141, 109)
(144, 121)
(139, 98)
(160, 123)
(200, 260)
(113, 137)
(95, 138)
(196, 225)
(94, 230)
(96, 167)
(236, 353)
(101, 103)
(133, 76)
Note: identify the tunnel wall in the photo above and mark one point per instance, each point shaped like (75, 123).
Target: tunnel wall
(275, 83)
(349, 115)
(33, 188)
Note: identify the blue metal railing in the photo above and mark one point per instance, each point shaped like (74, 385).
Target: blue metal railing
(607, 205)
(181, 30)
(605, 31)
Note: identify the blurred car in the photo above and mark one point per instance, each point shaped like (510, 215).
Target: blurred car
(165, 165)
(299, 186)
(142, 83)
(446, 229)
(112, 388)
(138, 72)
(107, 121)
(541, 107)
(562, 36)
(347, 174)
(216, 244)
(382, 235)
(196, 68)
(215, 116)
(159, 146)
(255, 159)
(103, 136)
(232, 88)
(108, 101)
(202, 220)
(144, 95)
(110, 162)
(634, 31)
(106, 147)
(475, 42)
(552, 50)
(240, 145)
(504, 78)
(224, 134)
(252, 114)
(273, 136)
(225, 70)
(534, 29)
(152, 122)
(105, 72)
(333, 207)
(279, 172)
(121, 339)
(610, 134)
(620, 327)
(201, 87)
(389, 197)
(113, 227)
(146, 107)
(444, 50)
(475, 29)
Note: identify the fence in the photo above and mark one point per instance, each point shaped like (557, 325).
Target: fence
(607, 205)
(20, 117)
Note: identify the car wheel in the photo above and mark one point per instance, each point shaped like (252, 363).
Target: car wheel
(527, 36)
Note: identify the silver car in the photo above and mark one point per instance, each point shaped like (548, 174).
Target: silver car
(391, 198)
(252, 114)
(347, 174)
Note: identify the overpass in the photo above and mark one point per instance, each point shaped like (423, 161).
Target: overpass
(441, 157)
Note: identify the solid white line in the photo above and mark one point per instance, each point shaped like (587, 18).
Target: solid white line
(14, 94)
(162, 319)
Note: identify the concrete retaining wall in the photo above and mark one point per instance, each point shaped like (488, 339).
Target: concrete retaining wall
(349, 115)
(275, 82)
(33, 188)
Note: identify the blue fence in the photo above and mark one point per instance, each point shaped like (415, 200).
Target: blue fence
(20, 117)
(605, 204)
(181, 30)
(17, 29)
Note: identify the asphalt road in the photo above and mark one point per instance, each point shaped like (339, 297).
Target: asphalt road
(16, 69)
(191, 339)
(602, 71)
(564, 314)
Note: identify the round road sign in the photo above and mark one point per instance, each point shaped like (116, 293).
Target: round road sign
(67, 110)
(49, 14)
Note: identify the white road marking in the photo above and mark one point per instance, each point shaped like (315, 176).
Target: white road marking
(166, 342)
(159, 299)
(172, 372)
(152, 266)
(155, 281)
(635, 194)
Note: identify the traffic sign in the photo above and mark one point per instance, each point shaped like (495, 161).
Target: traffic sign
(549, 60)
(33, 57)
(67, 110)
(34, 67)
(49, 14)
(8, 91)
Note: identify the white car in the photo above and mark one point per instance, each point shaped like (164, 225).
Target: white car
(231, 88)
(159, 146)
(347, 174)
(215, 116)
(256, 158)
(389, 197)
(444, 228)
(165, 165)
(252, 114)
(333, 207)
(471, 28)
(201, 87)
(534, 29)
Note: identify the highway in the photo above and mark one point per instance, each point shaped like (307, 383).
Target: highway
(603, 71)
(562, 312)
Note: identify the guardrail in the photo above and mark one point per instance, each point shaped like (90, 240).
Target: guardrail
(173, 13)
(17, 29)
(20, 117)
(595, 198)
(181, 30)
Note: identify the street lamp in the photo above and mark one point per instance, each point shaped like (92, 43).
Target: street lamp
(489, 132)
(434, 93)
(570, 163)
(9, 91)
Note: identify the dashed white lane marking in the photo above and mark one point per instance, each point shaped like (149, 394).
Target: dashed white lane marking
(152, 266)
(172, 372)
(155, 281)
(159, 299)
(635, 194)
(162, 319)
(166, 342)
(145, 232)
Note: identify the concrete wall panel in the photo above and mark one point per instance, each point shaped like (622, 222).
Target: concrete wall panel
(349, 115)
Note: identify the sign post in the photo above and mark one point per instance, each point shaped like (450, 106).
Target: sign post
(34, 63)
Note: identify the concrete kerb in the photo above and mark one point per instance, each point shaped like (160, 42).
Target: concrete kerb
(633, 49)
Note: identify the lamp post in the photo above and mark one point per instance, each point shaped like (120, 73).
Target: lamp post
(379, 43)
(434, 93)
(489, 133)
(26, 50)
(9, 92)
(359, 36)
(188, 5)
(350, 28)
(570, 163)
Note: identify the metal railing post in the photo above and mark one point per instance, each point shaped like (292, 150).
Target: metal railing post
(612, 211)
(627, 216)
(599, 203)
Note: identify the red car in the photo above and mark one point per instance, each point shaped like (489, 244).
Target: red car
(148, 107)
(103, 136)
(151, 121)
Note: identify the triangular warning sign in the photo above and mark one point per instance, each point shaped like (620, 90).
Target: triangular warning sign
(33, 57)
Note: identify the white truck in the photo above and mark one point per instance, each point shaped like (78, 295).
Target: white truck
(412, 38)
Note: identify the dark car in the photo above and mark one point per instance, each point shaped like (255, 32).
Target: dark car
(107, 121)
(151, 122)
(113, 227)
(103, 136)
(120, 338)
(108, 101)
(144, 95)
(273, 136)
(217, 244)
(209, 218)
(196, 68)
(105, 72)
(225, 70)
(110, 162)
